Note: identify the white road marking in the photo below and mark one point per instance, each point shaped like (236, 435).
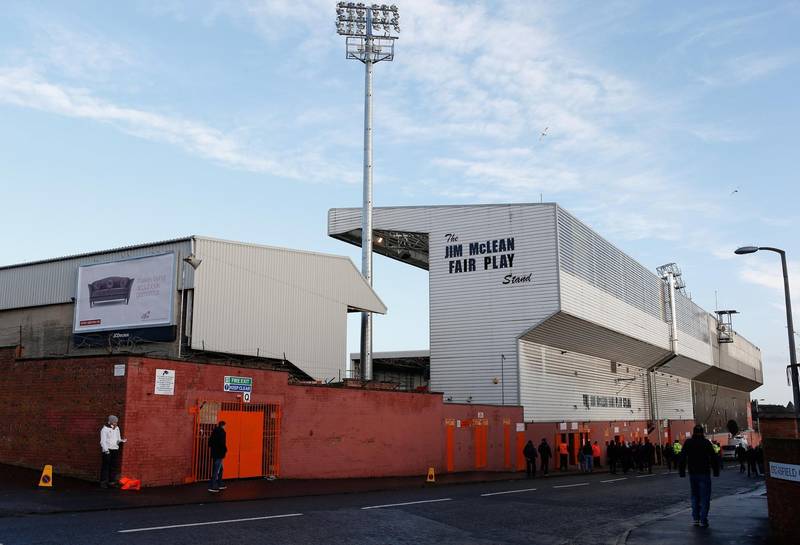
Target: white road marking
(405, 503)
(571, 485)
(207, 523)
(509, 492)
(648, 475)
(615, 480)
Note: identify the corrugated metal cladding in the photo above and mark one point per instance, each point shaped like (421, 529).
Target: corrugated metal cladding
(54, 281)
(475, 318)
(593, 259)
(264, 301)
(593, 299)
(568, 385)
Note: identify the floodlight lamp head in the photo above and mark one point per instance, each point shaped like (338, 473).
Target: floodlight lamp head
(746, 250)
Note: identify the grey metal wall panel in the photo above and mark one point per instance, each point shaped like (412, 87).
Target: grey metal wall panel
(475, 319)
(263, 301)
(674, 396)
(53, 282)
(557, 382)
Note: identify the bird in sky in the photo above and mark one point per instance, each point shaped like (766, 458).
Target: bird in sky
(735, 191)
(544, 133)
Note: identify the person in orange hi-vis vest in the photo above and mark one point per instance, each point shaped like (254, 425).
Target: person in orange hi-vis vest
(562, 454)
(596, 454)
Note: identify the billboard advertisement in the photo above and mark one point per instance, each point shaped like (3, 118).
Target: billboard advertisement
(129, 294)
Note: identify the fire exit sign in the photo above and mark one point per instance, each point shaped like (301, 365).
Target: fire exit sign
(238, 384)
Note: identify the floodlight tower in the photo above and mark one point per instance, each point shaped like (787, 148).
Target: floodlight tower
(370, 32)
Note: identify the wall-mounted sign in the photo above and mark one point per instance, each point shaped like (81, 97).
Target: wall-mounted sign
(238, 384)
(520, 426)
(786, 472)
(165, 382)
(246, 397)
(562, 426)
(119, 369)
(616, 429)
(483, 255)
(129, 294)
(574, 425)
(480, 414)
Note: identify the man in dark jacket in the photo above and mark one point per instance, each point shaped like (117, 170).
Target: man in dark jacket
(530, 458)
(545, 453)
(699, 456)
(217, 445)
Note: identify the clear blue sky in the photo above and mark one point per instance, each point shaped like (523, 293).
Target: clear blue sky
(671, 129)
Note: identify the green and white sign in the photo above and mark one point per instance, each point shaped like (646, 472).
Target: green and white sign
(238, 384)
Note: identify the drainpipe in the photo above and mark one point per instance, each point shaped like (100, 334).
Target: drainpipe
(673, 346)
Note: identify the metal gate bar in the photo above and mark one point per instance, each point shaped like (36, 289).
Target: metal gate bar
(206, 418)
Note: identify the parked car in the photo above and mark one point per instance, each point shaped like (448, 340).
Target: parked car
(728, 452)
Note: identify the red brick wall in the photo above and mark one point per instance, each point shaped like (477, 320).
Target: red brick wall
(51, 411)
(325, 432)
(778, 427)
(783, 495)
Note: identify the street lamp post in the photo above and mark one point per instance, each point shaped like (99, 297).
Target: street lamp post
(792, 352)
(370, 32)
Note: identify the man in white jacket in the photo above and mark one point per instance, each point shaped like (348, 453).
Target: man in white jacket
(110, 440)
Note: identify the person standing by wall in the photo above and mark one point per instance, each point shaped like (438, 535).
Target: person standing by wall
(218, 445)
(588, 455)
(110, 440)
(611, 455)
(530, 459)
(563, 454)
(596, 454)
(699, 456)
(545, 453)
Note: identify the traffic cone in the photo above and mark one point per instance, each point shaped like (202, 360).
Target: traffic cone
(46, 480)
(431, 476)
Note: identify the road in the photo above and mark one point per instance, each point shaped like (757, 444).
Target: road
(574, 509)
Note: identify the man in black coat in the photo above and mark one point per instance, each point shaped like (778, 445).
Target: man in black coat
(545, 453)
(217, 445)
(530, 458)
(699, 456)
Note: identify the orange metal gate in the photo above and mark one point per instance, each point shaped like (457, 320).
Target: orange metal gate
(252, 433)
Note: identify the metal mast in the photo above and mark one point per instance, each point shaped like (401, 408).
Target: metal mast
(370, 33)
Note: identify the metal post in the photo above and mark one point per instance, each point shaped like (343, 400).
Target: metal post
(792, 351)
(502, 379)
(180, 310)
(366, 211)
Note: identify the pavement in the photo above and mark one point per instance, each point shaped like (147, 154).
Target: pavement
(739, 519)
(20, 495)
(492, 509)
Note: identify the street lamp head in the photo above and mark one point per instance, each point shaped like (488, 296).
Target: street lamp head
(746, 250)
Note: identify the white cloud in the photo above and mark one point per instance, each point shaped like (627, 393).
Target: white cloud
(26, 88)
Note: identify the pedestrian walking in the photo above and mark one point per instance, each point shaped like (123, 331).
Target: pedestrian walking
(563, 454)
(698, 456)
(741, 457)
(545, 453)
(588, 457)
(217, 443)
(751, 462)
(110, 440)
(760, 459)
(596, 454)
(530, 459)
(627, 458)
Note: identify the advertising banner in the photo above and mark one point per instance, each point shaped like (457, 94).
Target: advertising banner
(129, 294)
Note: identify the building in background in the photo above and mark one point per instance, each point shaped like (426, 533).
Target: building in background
(193, 298)
(531, 307)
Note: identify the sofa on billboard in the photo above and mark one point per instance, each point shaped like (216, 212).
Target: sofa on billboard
(111, 289)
